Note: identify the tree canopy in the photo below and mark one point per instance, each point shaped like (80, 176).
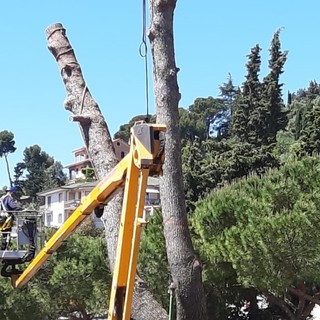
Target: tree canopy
(38, 171)
(74, 283)
(265, 228)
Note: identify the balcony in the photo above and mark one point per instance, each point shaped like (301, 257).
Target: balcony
(45, 209)
(71, 204)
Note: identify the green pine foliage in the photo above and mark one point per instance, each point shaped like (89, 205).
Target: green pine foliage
(124, 130)
(7, 145)
(76, 279)
(206, 117)
(211, 164)
(262, 232)
(38, 171)
(153, 265)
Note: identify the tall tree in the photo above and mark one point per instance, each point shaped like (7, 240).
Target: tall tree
(184, 264)
(260, 114)
(7, 146)
(228, 93)
(310, 134)
(276, 116)
(244, 120)
(304, 119)
(98, 141)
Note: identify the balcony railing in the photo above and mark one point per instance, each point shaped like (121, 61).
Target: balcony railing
(152, 202)
(71, 204)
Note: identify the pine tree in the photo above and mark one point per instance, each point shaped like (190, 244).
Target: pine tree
(7, 146)
(265, 229)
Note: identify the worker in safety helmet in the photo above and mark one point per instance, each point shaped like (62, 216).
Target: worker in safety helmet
(8, 201)
(8, 207)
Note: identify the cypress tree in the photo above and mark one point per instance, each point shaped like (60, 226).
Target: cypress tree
(275, 118)
(248, 101)
(310, 134)
(260, 112)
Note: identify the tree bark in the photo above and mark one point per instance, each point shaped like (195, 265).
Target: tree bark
(98, 141)
(185, 266)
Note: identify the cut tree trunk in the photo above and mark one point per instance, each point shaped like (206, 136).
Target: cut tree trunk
(98, 142)
(185, 266)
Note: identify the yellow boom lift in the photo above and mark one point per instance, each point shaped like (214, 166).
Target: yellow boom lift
(145, 158)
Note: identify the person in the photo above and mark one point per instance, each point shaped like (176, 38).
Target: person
(9, 202)
(9, 206)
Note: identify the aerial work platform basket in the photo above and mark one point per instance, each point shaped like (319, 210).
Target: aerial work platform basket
(24, 231)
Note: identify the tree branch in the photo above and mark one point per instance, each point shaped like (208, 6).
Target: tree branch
(281, 304)
(298, 293)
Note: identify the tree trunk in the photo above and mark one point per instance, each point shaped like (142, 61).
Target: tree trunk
(98, 141)
(185, 266)
(8, 169)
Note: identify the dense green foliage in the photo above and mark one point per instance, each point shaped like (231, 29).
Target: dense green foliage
(153, 265)
(124, 130)
(38, 172)
(75, 280)
(250, 120)
(265, 229)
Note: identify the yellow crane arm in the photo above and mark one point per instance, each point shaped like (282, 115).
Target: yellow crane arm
(145, 157)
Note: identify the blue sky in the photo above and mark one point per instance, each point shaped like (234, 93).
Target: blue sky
(212, 39)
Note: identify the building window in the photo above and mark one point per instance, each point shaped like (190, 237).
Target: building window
(60, 218)
(122, 154)
(79, 158)
(72, 174)
(118, 143)
(60, 197)
(49, 201)
(49, 220)
(72, 196)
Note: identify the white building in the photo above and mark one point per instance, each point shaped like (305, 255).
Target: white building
(60, 202)
(81, 158)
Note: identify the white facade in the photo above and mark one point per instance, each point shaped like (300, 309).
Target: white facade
(83, 161)
(61, 202)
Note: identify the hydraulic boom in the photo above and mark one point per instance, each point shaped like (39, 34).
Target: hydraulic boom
(145, 158)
